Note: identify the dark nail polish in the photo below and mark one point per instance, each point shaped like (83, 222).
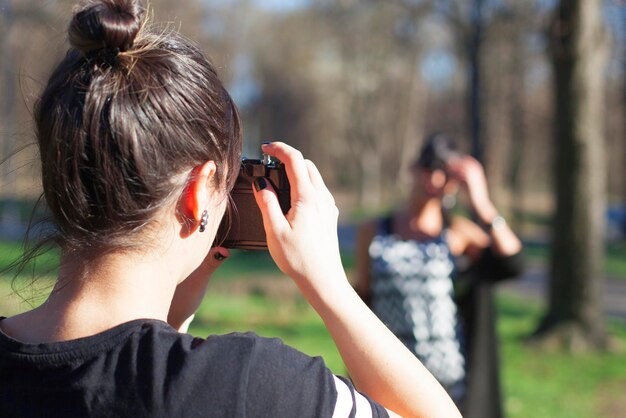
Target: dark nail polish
(260, 184)
(219, 256)
(266, 142)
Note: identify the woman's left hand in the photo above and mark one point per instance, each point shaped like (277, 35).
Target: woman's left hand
(190, 292)
(470, 172)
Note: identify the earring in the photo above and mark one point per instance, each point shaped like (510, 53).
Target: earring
(204, 220)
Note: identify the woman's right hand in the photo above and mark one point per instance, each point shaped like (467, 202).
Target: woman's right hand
(303, 242)
(470, 172)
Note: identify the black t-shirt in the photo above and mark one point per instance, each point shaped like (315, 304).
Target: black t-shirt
(145, 368)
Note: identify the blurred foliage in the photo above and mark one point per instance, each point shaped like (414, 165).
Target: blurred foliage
(355, 84)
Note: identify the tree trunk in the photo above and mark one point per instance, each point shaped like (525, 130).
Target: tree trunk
(517, 125)
(579, 52)
(475, 72)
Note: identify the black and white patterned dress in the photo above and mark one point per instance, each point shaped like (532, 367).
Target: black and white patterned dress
(412, 293)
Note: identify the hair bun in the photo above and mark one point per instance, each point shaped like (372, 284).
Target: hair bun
(105, 24)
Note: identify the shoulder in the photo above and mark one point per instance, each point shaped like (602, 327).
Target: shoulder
(282, 381)
(242, 371)
(286, 365)
(261, 352)
(465, 235)
(229, 351)
(242, 352)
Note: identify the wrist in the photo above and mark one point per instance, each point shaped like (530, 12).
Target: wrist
(496, 223)
(325, 294)
(486, 213)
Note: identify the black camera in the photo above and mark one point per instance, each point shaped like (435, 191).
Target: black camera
(242, 226)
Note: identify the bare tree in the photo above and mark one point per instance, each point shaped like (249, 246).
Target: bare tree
(579, 53)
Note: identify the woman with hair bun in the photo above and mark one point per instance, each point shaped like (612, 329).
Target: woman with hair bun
(140, 146)
(419, 267)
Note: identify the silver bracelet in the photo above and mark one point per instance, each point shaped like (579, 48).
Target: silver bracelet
(496, 223)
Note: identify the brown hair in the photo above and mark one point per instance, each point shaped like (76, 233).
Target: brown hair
(436, 150)
(123, 119)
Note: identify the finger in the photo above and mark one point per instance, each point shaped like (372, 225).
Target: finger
(317, 181)
(274, 220)
(214, 259)
(454, 163)
(297, 173)
(314, 175)
(456, 168)
(471, 159)
(219, 254)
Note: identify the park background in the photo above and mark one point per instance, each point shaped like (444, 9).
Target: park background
(534, 88)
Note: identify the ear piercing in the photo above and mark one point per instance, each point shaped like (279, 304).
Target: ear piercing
(204, 220)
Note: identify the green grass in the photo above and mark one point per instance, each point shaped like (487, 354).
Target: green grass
(615, 262)
(251, 264)
(542, 384)
(44, 265)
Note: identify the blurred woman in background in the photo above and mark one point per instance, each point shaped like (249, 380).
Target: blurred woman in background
(409, 262)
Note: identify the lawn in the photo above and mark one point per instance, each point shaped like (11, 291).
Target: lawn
(539, 384)
(249, 294)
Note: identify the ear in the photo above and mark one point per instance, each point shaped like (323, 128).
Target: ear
(197, 191)
(438, 178)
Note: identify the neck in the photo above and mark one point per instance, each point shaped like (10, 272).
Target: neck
(95, 294)
(421, 204)
(425, 215)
